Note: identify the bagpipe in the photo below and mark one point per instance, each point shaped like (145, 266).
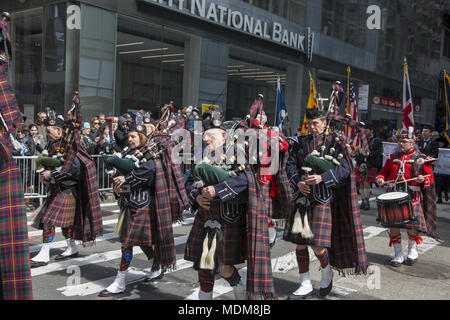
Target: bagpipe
(68, 145)
(129, 159)
(297, 228)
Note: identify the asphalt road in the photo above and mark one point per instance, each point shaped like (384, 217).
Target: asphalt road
(82, 278)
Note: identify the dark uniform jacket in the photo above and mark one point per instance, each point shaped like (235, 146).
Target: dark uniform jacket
(430, 148)
(300, 149)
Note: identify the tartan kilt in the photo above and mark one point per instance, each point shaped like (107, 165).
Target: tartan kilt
(417, 211)
(61, 210)
(137, 228)
(369, 176)
(321, 224)
(15, 276)
(234, 237)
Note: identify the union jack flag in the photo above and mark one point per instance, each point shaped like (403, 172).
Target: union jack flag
(408, 109)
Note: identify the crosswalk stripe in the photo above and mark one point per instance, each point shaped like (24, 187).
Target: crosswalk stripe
(91, 259)
(96, 286)
(58, 229)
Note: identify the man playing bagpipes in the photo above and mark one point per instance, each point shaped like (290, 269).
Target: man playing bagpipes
(368, 165)
(15, 276)
(325, 215)
(410, 171)
(232, 222)
(151, 196)
(72, 201)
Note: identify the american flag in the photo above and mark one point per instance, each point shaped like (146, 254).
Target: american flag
(353, 111)
(408, 110)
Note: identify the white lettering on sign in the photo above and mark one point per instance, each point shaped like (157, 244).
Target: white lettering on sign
(272, 31)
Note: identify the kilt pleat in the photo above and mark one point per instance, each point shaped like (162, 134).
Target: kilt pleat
(420, 223)
(137, 230)
(234, 237)
(61, 210)
(321, 225)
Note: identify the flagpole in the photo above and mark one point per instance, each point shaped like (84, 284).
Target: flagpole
(276, 103)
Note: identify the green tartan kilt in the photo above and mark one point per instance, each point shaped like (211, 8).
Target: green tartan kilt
(234, 237)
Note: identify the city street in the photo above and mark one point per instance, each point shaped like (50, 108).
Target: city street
(82, 278)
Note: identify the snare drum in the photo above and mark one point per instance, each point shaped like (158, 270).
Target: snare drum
(394, 209)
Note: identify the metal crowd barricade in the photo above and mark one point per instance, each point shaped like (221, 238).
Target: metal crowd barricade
(33, 187)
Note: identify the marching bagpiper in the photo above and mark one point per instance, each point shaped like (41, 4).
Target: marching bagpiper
(326, 216)
(70, 175)
(232, 223)
(151, 194)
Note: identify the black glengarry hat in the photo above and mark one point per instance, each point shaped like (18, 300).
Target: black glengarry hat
(314, 114)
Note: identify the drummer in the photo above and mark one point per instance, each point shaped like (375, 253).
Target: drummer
(408, 164)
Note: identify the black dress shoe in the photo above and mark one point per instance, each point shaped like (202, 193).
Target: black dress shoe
(37, 264)
(299, 297)
(105, 293)
(61, 257)
(395, 263)
(325, 291)
(149, 280)
(446, 197)
(410, 262)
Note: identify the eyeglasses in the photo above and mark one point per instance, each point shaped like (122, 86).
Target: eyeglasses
(96, 123)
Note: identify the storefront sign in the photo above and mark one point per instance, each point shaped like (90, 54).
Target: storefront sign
(227, 17)
(392, 103)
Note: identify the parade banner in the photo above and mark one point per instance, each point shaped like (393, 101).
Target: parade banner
(442, 165)
(388, 149)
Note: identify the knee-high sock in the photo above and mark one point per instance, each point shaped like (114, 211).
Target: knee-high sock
(302, 259)
(206, 280)
(127, 256)
(322, 257)
(234, 279)
(48, 234)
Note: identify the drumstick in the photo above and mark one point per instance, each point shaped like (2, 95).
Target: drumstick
(392, 181)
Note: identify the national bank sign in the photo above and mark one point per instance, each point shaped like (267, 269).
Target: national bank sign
(227, 17)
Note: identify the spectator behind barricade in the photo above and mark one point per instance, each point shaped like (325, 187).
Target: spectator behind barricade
(442, 181)
(426, 144)
(42, 130)
(95, 124)
(37, 138)
(28, 146)
(121, 133)
(86, 140)
(101, 118)
(103, 142)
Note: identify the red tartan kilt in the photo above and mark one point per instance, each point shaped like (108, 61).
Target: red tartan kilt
(370, 176)
(321, 225)
(138, 232)
(61, 210)
(234, 237)
(420, 224)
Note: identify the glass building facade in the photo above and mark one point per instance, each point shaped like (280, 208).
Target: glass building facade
(140, 54)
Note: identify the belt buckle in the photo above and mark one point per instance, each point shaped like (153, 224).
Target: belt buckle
(126, 189)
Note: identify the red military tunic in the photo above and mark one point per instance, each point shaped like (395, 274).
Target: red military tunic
(391, 169)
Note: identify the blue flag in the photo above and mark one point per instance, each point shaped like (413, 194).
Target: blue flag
(447, 105)
(281, 107)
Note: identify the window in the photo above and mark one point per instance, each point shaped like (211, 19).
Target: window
(446, 52)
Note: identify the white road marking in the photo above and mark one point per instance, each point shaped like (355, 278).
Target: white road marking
(91, 259)
(133, 275)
